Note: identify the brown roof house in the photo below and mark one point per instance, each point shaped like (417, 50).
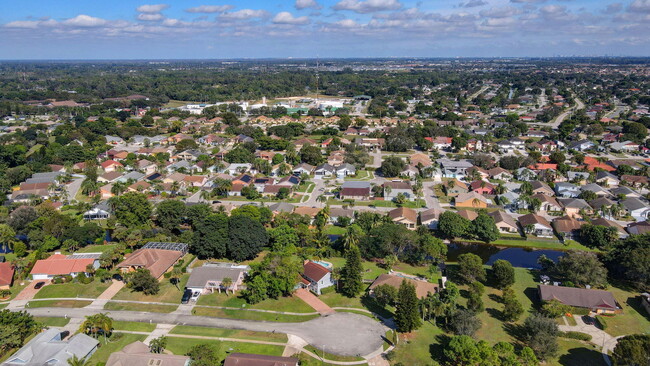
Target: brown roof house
(138, 354)
(405, 216)
(158, 258)
(536, 225)
(422, 288)
(598, 301)
(247, 359)
(504, 222)
(567, 227)
(352, 190)
(315, 277)
(6, 275)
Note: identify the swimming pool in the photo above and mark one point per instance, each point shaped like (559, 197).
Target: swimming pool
(324, 264)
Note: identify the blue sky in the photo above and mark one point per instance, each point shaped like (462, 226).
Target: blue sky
(182, 29)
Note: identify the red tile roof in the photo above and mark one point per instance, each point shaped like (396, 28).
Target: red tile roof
(6, 274)
(314, 271)
(59, 264)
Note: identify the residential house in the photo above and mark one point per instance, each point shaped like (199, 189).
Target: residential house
(536, 225)
(607, 179)
(579, 178)
(109, 177)
(573, 207)
(246, 359)
(638, 228)
(405, 216)
(210, 276)
(393, 189)
(345, 170)
(598, 190)
(500, 174)
(325, 171)
(635, 181)
(625, 146)
(592, 164)
(637, 208)
(422, 288)
(526, 175)
(316, 277)
(111, 165)
(139, 354)
(140, 186)
(244, 179)
(6, 275)
(622, 234)
(541, 188)
(158, 258)
(470, 200)
(454, 168)
(477, 172)
(237, 168)
(410, 171)
(441, 142)
(625, 191)
(303, 168)
(354, 190)
(582, 145)
(429, 218)
(289, 181)
(419, 159)
(50, 348)
(146, 166)
(101, 211)
(567, 227)
(62, 265)
(504, 222)
(281, 207)
(131, 176)
(598, 301)
(549, 204)
(337, 214)
(468, 214)
(566, 190)
(482, 187)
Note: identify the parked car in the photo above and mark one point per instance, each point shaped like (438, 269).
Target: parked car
(588, 320)
(38, 285)
(187, 295)
(195, 296)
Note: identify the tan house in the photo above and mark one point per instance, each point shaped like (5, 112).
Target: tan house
(157, 257)
(471, 200)
(422, 288)
(405, 216)
(504, 222)
(139, 354)
(598, 301)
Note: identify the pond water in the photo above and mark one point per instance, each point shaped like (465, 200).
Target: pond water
(518, 257)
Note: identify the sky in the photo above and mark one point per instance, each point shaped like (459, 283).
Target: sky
(201, 29)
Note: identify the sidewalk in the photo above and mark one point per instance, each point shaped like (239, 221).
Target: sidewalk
(105, 296)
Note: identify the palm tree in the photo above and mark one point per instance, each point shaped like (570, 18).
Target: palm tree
(321, 198)
(352, 236)
(205, 195)
(175, 276)
(500, 189)
(226, 283)
(96, 324)
(157, 345)
(76, 361)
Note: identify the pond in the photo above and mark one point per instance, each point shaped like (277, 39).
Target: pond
(519, 257)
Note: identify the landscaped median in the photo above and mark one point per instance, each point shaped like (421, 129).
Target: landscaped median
(134, 306)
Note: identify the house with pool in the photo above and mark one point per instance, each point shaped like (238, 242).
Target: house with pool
(316, 276)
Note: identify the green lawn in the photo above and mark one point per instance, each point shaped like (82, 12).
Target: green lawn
(133, 326)
(18, 287)
(228, 333)
(252, 315)
(306, 188)
(417, 350)
(536, 243)
(96, 248)
(370, 269)
(378, 203)
(2, 306)
(576, 353)
(633, 320)
(155, 308)
(72, 290)
(115, 343)
(331, 357)
(52, 322)
(168, 292)
(361, 175)
(285, 304)
(58, 304)
(334, 230)
(180, 346)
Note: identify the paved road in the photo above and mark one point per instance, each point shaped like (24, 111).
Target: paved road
(73, 188)
(564, 115)
(344, 334)
(479, 92)
(429, 196)
(313, 196)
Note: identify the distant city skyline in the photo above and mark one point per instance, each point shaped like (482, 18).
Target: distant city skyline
(194, 29)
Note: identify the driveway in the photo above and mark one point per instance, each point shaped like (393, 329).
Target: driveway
(598, 337)
(344, 334)
(73, 188)
(29, 292)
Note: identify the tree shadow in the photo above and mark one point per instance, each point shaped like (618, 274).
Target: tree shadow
(437, 348)
(636, 304)
(516, 331)
(496, 298)
(581, 356)
(496, 314)
(464, 293)
(532, 294)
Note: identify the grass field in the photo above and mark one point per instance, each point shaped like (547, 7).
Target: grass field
(331, 357)
(535, 243)
(252, 315)
(370, 270)
(115, 343)
(633, 320)
(228, 333)
(168, 292)
(285, 304)
(155, 308)
(72, 290)
(133, 326)
(334, 230)
(180, 346)
(58, 304)
(2, 306)
(576, 353)
(52, 322)
(97, 248)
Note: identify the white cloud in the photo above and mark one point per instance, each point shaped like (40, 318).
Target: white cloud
(153, 8)
(210, 9)
(501, 12)
(527, 1)
(31, 24)
(83, 20)
(287, 18)
(553, 9)
(307, 4)
(245, 14)
(473, 3)
(150, 16)
(642, 6)
(367, 6)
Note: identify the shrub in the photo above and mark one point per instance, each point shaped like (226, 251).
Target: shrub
(602, 324)
(576, 335)
(579, 311)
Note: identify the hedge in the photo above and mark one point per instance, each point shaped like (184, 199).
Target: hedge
(601, 322)
(576, 335)
(579, 311)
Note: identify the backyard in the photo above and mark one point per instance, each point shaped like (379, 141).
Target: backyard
(168, 292)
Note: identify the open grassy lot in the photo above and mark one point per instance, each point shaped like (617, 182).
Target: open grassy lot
(577, 353)
(334, 299)
(252, 315)
(115, 343)
(155, 308)
(180, 346)
(370, 269)
(96, 248)
(633, 320)
(286, 304)
(536, 243)
(361, 175)
(168, 292)
(229, 333)
(91, 290)
(58, 304)
(331, 357)
(133, 326)
(52, 322)
(415, 348)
